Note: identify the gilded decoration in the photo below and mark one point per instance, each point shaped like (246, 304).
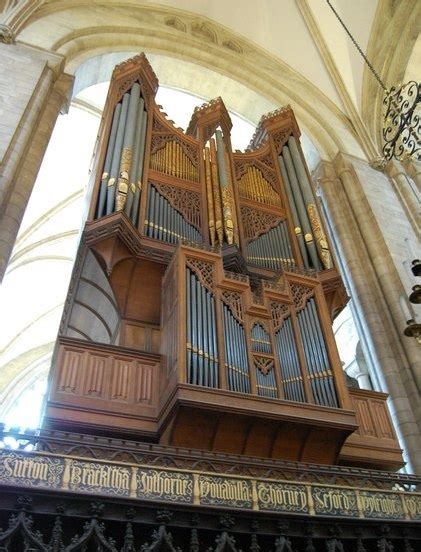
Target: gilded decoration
(186, 202)
(320, 237)
(166, 486)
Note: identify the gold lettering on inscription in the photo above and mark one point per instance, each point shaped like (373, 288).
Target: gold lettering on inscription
(225, 490)
(380, 505)
(111, 477)
(163, 484)
(333, 500)
(413, 504)
(30, 468)
(274, 496)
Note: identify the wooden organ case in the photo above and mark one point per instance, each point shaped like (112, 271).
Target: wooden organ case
(200, 308)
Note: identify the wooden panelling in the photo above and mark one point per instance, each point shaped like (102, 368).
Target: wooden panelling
(141, 336)
(372, 414)
(137, 287)
(118, 387)
(374, 444)
(94, 376)
(71, 371)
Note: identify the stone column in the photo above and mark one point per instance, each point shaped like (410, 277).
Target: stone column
(413, 169)
(407, 191)
(351, 224)
(33, 90)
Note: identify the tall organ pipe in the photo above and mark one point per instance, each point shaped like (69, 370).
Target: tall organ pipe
(135, 160)
(295, 217)
(202, 361)
(236, 361)
(273, 249)
(224, 185)
(211, 210)
(139, 169)
(310, 361)
(115, 163)
(219, 225)
(107, 163)
(127, 150)
(290, 366)
(165, 223)
(322, 345)
(302, 212)
(318, 360)
(189, 325)
(194, 324)
(310, 202)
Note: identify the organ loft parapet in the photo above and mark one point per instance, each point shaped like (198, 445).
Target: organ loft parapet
(199, 313)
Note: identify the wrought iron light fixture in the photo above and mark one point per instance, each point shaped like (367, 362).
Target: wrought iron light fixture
(401, 128)
(413, 328)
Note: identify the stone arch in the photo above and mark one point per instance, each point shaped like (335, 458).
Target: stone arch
(72, 29)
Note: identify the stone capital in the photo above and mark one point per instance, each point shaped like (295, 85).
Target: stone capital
(6, 34)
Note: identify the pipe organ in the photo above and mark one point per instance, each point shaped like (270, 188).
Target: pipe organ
(218, 267)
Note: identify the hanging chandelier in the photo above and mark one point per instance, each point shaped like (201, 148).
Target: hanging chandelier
(401, 125)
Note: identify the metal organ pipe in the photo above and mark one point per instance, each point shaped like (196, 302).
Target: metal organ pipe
(211, 210)
(236, 361)
(311, 360)
(295, 217)
(202, 359)
(127, 148)
(107, 163)
(302, 211)
(272, 249)
(266, 384)
(228, 216)
(327, 374)
(318, 365)
(290, 366)
(139, 169)
(165, 223)
(310, 203)
(135, 160)
(115, 163)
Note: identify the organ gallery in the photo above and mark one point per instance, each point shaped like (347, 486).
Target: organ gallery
(196, 381)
